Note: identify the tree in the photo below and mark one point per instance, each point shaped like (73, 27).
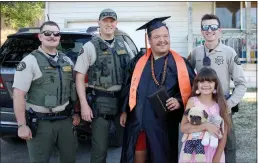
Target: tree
(21, 14)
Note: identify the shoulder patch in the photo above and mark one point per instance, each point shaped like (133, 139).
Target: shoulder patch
(236, 60)
(81, 51)
(21, 66)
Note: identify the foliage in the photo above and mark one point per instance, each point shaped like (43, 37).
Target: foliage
(21, 14)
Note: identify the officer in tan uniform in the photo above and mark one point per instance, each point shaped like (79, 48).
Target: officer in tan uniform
(44, 118)
(224, 60)
(104, 59)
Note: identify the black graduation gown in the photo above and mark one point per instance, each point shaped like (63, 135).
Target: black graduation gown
(144, 118)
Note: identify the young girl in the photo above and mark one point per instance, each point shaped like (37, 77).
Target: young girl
(207, 92)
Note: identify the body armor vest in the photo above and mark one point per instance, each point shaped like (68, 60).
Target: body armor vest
(109, 68)
(54, 87)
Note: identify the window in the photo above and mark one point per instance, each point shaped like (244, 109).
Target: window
(229, 14)
(253, 15)
(72, 44)
(16, 48)
(232, 14)
(131, 44)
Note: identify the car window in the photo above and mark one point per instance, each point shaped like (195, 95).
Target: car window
(131, 44)
(16, 48)
(71, 45)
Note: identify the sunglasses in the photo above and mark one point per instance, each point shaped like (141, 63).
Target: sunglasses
(213, 27)
(108, 14)
(49, 33)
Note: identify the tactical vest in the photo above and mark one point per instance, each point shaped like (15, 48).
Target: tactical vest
(108, 70)
(54, 87)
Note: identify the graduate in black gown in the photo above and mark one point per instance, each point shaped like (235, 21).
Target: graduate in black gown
(147, 134)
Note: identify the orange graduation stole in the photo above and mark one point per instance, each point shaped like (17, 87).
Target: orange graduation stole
(182, 73)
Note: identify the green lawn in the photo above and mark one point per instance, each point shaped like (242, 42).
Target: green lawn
(245, 122)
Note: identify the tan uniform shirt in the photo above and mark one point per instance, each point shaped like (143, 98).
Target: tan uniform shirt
(225, 62)
(88, 58)
(31, 72)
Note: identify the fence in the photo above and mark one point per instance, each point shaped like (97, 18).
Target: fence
(238, 42)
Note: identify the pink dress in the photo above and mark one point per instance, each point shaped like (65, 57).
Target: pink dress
(209, 152)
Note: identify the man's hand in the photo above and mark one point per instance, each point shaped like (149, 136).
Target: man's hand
(123, 119)
(24, 132)
(172, 104)
(86, 112)
(76, 119)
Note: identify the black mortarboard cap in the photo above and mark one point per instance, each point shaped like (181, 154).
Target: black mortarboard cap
(154, 24)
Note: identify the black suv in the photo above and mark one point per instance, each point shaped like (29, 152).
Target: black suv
(20, 44)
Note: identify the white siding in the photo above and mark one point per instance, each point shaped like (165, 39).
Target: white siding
(64, 12)
(200, 9)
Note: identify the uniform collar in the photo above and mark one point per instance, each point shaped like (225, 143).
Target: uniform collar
(113, 43)
(217, 49)
(42, 51)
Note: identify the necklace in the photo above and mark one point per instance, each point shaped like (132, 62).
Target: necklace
(163, 74)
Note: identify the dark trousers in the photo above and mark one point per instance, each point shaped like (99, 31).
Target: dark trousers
(230, 148)
(99, 140)
(60, 133)
(173, 128)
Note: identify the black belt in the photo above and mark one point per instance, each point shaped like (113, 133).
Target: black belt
(58, 114)
(96, 92)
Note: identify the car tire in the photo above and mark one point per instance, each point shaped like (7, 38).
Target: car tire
(116, 132)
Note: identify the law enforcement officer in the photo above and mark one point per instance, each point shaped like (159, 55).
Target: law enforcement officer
(45, 77)
(224, 60)
(104, 59)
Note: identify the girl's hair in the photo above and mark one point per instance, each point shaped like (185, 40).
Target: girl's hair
(208, 74)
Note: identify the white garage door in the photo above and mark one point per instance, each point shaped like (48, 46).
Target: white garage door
(131, 15)
(128, 27)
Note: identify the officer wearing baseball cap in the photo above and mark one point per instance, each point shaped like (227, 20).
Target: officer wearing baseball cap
(107, 13)
(104, 59)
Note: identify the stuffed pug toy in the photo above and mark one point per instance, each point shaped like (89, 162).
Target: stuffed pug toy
(208, 138)
(196, 116)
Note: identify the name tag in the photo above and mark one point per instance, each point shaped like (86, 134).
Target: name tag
(49, 67)
(105, 52)
(67, 68)
(120, 52)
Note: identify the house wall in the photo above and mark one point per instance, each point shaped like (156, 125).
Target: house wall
(138, 13)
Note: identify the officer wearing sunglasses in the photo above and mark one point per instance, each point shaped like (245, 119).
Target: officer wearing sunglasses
(49, 33)
(45, 118)
(224, 60)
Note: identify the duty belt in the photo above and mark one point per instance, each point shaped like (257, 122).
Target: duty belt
(101, 93)
(58, 115)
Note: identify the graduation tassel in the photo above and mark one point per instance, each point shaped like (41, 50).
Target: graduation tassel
(146, 41)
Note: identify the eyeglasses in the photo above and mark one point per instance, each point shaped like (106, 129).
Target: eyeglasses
(108, 14)
(213, 27)
(49, 33)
